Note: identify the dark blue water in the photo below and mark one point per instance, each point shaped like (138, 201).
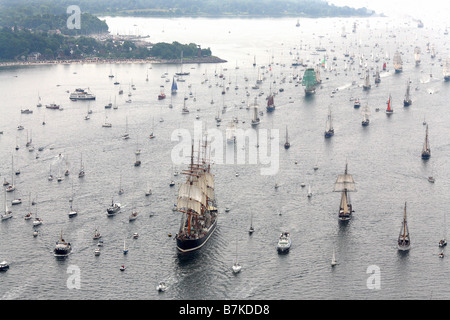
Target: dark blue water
(384, 159)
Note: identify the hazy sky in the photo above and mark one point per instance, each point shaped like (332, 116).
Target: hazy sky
(429, 9)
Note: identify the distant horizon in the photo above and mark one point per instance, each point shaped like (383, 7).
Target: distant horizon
(432, 10)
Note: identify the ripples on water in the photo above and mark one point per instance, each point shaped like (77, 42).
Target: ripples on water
(384, 159)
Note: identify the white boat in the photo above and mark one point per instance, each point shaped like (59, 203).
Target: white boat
(236, 266)
(161, 287)
(333, 259)
(97, 252)
(81, 94)
(4, 266)
(133, 216)
(255, 117)
(7, 214)
(284, 242)
(62, 248)
(122, 268)
(97, 234)
(309, 191)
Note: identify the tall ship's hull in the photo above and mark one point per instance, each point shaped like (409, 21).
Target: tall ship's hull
(184, 244)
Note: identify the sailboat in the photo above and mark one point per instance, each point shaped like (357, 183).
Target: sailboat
(333, 259)
(236, 266)
(11, 187)
(329, 130)
(446, 69)
(443, 242)
(7, 214)
(126, 135)
(309, 81)
(255, 117)
(407, 101)
(287, 145)
(72, 211)
(181, 73)
(81, 173)
(398, 63)
(251, 229)
(270, 103)
(404, 242)
(377, 76)
(174, 86)
(37, 221)
(125, 248)
(417, 55)
(365, 121)
(345, 184)
(120, 186)
(426, 152)
(389, 109)
(366, 85)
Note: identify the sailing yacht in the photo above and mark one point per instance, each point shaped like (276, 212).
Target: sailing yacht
(417, 55)
(126, 135)
(407, 101)
(404, 242)
(7, 214)
(389, 109)
(333, 259)
(174, 86)
(345, 184)
(329, 130)
(446, 69)
(366, 85)
(81, 172)
(287, 145)
(365, 121)
(426, 152)
(443, 242)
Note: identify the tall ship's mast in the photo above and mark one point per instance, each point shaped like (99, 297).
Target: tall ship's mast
(407, 101)
(196, 201)
(398, 63)
(366, 85)
(345, 184)
(309, 81)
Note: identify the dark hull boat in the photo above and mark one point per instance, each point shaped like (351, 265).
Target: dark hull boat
(426, 152)
(196, 201)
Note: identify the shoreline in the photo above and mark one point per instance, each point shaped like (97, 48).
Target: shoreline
(112, 61)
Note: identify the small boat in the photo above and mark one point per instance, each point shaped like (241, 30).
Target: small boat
(441, 254)
(113, 209)
(236, 266)
(284, 242)
(431, 179)
(4, 266)
(62, 248)
(287, 144)
(356, 104)
(135, 235)
(133, 216)
(100, 243)
(333, 259)
(161, 287)
(97, 252)
(442, 243)
(251, 229)
(329, 130)
(122, 268)
(97, 234)
(7, 214)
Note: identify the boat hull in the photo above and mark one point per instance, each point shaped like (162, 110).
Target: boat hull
(188, 245)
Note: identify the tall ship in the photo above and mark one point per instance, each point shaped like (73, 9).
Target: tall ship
(329, 130)
(81, 94)
(366, 85)
(309, 81)
(377, 76)
(446, 69)
(270, 103)
(426, 151)
(417, 55)
(345, 184)
(398, 63)
(407, 101)
(365, 112)
(196, 201)
(404, 242)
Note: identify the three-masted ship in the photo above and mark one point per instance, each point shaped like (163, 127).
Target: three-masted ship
(426, 151)
(196, 201)
(365, 112)
(366, 85)
(345, 184)
(417, 55)
(404, 242)
(329, 130)
(309, 81)
(398, 63)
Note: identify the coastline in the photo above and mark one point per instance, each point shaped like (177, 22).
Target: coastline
(112, 61)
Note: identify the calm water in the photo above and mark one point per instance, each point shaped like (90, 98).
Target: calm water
(384, 159)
